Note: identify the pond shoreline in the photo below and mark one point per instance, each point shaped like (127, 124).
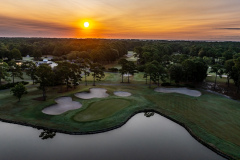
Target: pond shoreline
(214, 149)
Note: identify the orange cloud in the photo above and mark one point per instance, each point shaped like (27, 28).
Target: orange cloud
(152, 19)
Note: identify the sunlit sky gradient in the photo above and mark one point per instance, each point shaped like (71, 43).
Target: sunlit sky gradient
(145, 19)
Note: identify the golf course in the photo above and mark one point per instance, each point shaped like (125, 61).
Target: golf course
(210, 118)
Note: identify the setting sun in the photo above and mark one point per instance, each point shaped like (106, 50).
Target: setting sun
(86, 24)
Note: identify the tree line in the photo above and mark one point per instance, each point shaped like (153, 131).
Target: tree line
(189, 61)
(65, 73)
(100, 51)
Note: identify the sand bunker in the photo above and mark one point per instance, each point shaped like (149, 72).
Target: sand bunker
(122, 94)
(126, 75)
(94, 93)
(64, 104)
(185, 91)
(223, 76)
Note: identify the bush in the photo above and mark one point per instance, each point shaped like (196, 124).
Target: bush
(10, 85)
(190, 85)
(113, 69)
(19, 90)
(141, 68)
(166, 84)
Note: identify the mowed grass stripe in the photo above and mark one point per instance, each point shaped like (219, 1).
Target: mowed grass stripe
(101, 110)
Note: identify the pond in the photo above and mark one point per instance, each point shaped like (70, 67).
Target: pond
(142, 137)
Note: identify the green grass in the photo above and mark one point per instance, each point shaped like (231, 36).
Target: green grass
(27, 58)
(219, 80)
(139, 77)
(131, 57)
(212, 118)
(102, 109)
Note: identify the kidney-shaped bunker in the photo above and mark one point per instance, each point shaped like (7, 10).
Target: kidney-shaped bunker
(64, 104)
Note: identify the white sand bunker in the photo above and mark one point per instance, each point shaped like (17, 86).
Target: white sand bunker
(126, 75)
(185, 91)
(64, 104)
(94, 93)
(122, 94)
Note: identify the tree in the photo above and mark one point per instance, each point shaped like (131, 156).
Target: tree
(166, 60)
(161, 73)
(228, 54)
(207, 60)
(68, 73)
(130, 69)
(123, 70)
(85, 69)
(218, 70)
(151, 70)
(145, 76)
(97, 70)
(37, 54)
(236, 69)
(189, 69)
(44, 75)
(236, 56)
(30, 68)
(15, 70)
(176, 73)
(3, 51)
(3, 71)
(15, 54)
(200, 70)
(228, 69)
(19, 90)
(139, 54)
(75, 74)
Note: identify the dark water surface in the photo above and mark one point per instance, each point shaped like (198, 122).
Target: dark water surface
(141, 138)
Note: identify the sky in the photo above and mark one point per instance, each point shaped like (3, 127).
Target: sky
(213, 20)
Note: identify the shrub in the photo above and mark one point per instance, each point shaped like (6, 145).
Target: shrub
(10, 85)
(113, 69)
(19, 90)
(166, 84)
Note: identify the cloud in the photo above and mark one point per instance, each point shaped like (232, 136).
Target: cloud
(229, 28)
(26, 27)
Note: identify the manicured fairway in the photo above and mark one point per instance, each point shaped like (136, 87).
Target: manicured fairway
(102, 109)
(213, 118)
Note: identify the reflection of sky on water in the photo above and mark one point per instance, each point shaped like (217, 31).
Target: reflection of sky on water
(140, 138)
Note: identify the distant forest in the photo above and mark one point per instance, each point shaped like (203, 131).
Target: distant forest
(181, 61)
(106, 50)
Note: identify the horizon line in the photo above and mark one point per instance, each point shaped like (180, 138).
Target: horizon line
(142, 39)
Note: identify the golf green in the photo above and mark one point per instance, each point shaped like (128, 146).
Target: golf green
(102, 109)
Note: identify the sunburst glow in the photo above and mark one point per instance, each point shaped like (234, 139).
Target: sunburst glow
(86, 24)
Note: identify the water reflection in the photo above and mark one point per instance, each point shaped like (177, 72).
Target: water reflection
(46, 134)
(141, 138)
(149, 114)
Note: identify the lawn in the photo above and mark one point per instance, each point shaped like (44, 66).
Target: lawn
(102, 109)
(219, 80)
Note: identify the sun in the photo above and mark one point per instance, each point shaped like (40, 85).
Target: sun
(86, 24)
